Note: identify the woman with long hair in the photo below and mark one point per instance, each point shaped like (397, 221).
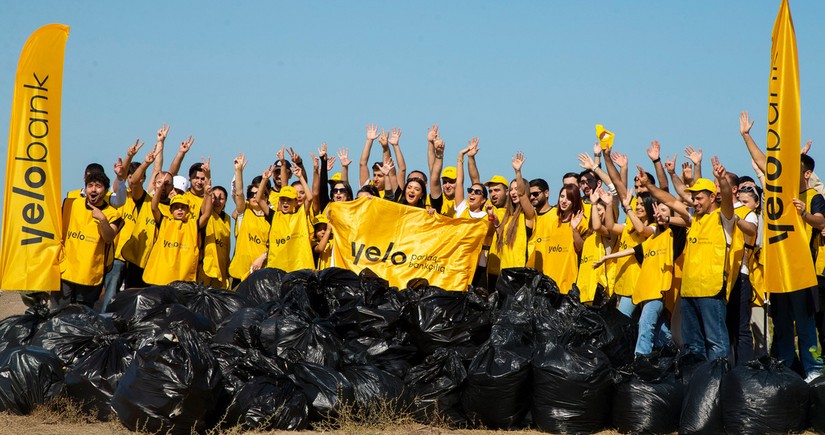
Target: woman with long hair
(516, 226)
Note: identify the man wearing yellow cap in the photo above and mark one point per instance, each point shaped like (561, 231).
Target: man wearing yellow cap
(706, 269)
(448, 189)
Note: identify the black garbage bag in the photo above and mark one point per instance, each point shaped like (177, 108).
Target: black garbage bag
(763, 396)
(817, 411)
(92, 380)
(301, 294)
(326, 389)
(369, 309)
(434, 388)
(375, 389)
(339, 286)
(395, 355)
(72, 332)
(29, 376)
(295, 339)
(498, 387)
(243, 328)
(171, 386)
(687, 364)
(438, 318)
(214, 304)
(556, 318)
(268, 403)
(648, 397)
(157, 321)
(617, 338)
(18, 331)
(262, 286)
(240, 365)
(130, 305)
(572, 389)
(702, 405)
(519, 285)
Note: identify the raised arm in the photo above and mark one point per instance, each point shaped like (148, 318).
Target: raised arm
(638, 225)
(678, 184)
(238, 193)
(401, 165)
(654, 152)
(586, 163)
(459, 171)
(297, 160)
(725, 189)
(432, 133)
(343, 157)
(138, 190)
(174, 168)
(611, 157)
(364, 163)
(521, 189)
(158, 167)
(695, 156)
(757, 155)
(206, 207)
(578, 240)
(156, 214)
(308, 202)
(261, 195)
(472, 168)
(284, 172)
(595, 221)
(435, 170)
(664, 197)
(390, 179)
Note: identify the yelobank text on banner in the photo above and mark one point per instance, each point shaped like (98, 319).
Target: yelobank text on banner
(400, 243)
(31, 204)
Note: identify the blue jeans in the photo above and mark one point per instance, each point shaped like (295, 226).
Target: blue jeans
(626, 306)
(789, 310)
(703, 326)
(652, 328)
(112, 282)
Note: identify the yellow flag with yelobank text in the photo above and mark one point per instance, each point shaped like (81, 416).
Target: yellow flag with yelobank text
(785, 235)
(32, 200)
(399, 243)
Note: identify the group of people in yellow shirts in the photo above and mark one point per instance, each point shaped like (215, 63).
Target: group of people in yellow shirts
(688, 244)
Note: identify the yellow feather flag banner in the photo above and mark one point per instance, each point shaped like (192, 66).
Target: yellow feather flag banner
(786, 270)
(31, 204)
(400, 242)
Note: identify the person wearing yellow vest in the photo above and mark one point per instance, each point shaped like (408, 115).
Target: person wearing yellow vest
(473, 207)
(90, 225)
(251, 227)
(516, 227)
(322, 251)
(795, 311)
(175, 253)
(289, 247)
(214, 266)
(497, 192)
(592, 282)
(704, 285)
(657, 255)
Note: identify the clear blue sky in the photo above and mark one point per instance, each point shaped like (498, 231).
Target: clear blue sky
(530, 76)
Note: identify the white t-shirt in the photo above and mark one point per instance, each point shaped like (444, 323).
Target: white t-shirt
(755, 219)
(459, 208)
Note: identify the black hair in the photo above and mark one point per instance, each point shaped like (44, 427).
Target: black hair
(369, 188)
(733, 179)
(647, 202)
(255, 183)
(376, 166)
(540, 183)
(588, 173)
(98, 176)
(423, 176)
(649, 177)
(347, 187)
(746, 179)
(195, 168)
(93, 167)
(222, 189)
(483, 189)
(570, 175)
(422, 202)
(807, 162)
(133, 167)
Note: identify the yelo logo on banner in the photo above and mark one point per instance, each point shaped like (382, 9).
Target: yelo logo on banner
(32, 210)
(400, 242)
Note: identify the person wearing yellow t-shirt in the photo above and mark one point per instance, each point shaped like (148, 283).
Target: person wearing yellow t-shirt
(214, 265)
(251, 227)
(472, 206)
(322, 251)
(516, 227)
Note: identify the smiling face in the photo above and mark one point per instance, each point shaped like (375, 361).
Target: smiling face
(95, 193)
(702, 201)
(413, 192)
(218, 200)
(662, 214)
(565, 205)
(378, 179)
(339, 192)
(475, 197)
(448, 187)
(641, 213)
(198, 183)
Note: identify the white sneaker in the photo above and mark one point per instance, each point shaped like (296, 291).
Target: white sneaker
(812, 376)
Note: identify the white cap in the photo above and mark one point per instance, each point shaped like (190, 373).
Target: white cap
(180, 182)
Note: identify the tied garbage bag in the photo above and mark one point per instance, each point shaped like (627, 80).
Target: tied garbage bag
(171, 386)
(262, 286)
(763, 396)
(130, 305)
(157, 321)
(29, 376)
(375, 389)
(817, 411)
(648, 398)
(269, 403)
(243, 328)
(294, 339)
(434, 387)
(571, 389)
(394, 355)
(18, 330)
(702, 406)
(72, 332)
(326, 389)
(498, 380)
(92, 380)
(370, 308)
(214, 304)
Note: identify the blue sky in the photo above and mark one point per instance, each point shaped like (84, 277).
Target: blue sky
(529, 76)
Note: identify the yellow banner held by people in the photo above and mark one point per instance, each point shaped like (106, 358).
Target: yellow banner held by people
(31, 203)
(400, 242)
(785, 236)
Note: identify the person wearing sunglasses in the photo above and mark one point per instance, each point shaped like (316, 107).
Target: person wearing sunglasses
(251, 227)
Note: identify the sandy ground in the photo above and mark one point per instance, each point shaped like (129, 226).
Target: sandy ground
(10, 304)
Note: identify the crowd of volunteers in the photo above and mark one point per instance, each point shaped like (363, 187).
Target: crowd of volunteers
(686, 255)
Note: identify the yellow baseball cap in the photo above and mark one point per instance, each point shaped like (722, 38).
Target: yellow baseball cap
(178, 199)
(497, 179)
(449, 172)
(320, 219)
(605, 137)
(335, 178)
(288, 192)
(702, 184)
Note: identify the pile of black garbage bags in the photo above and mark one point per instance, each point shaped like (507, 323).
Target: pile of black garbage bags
(287, 350)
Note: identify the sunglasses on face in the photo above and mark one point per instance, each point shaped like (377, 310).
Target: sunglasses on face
(339, 190)
(470, 190)
(535, 194)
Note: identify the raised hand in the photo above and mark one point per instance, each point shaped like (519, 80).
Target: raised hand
(322, 152)
(619, 158)
(372, 131)
(439, 147)
(294, 156)
(670, 165)
(133, 149)
(185, 145)
(807, 146)
(577, 219)
(395, 134)
(628, 197)
(316, 164)
(297, 171)
(605, 196)
(382, 138)
(594, 195)
(597, 149)
(118, 168)
(718, 170)
(653, 150)
(268, 172)
(343, 157)
(151, 156)
(693, 155)
(432, 132)
(207, 167)
(472, 146)
(745, 123)
(240, 162)
(643, 180)
(518, 161)
(687, 171)
(330, 163)
(280, 154)
(162, 132)
(585, 162)
(387, 166)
